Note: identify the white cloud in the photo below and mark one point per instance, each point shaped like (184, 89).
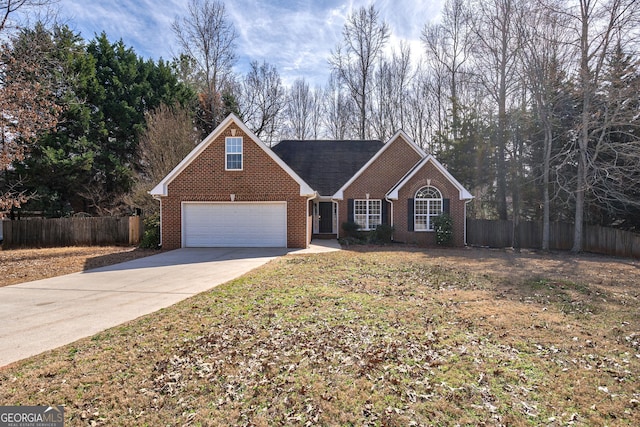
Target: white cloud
(298, 40)
(143, 24)
(295, 36)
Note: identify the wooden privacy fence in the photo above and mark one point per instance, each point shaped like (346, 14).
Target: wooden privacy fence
(100, 231)
(602, 240)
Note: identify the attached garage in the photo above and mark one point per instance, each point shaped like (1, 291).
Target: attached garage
(235, 224)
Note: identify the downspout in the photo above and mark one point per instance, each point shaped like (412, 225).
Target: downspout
(159, 199)
(465, 221)
(337, 217)
(310, 231)
(391, 221)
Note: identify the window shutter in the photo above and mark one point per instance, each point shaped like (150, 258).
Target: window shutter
(350, 217)
(410, 215)
(446, 206)
(385, 212)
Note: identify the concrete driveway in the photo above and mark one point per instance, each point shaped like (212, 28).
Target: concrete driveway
(45, 314)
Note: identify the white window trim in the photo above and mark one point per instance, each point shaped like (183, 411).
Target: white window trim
(226, 154)
(429, 225)
(368, 213)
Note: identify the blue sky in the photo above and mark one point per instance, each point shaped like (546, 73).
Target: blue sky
(295, 36)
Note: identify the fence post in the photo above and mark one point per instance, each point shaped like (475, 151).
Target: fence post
(136, 230)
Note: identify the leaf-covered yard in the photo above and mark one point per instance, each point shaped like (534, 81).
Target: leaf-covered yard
(375, 336)
(25, 265)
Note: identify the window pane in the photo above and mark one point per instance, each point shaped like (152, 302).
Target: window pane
(234, 161)
(367, 213)
(374, 207)
(428, 193)
(234, 145)
(435, 207)
(234, 153)
(427, 205)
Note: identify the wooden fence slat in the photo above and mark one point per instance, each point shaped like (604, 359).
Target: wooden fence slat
(603, 240)
(38, 232)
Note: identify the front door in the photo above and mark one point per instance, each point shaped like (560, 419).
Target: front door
(325, 210)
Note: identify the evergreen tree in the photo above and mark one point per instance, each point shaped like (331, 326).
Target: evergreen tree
(88, 162)
(61, 161)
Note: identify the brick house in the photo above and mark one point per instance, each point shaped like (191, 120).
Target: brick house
(233, 190)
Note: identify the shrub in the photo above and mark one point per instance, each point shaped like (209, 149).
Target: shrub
(352, 229)
(382, 234)
(151, 236)
(352, 234)
(443, 226)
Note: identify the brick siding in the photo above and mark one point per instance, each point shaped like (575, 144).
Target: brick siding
(385, 172)
(448, 190)
(206, 180)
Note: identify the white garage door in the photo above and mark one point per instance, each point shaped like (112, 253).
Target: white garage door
(234, 224)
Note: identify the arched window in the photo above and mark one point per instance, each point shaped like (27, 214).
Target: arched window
(427, 206)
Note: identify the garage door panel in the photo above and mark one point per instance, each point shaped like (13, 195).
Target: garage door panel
(234, 224)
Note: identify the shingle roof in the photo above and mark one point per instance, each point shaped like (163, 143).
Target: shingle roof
(326, 165)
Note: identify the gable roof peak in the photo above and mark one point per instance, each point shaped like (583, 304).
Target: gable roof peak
(463, 193)
(162, 188)
(399, 134)
(402, 134)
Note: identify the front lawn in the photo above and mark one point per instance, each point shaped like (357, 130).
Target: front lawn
(372, 336)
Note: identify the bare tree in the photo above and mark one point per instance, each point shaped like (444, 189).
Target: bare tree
(27, 103)
(614, 179)
(497, 53)
(9, 8)
(208, 38)
(339, 109)
(304, 111)
(392, 82)
(262, 101)
(600, 25)
(545, 57)
(170, 135)
(449, 44)
(317, 113)
(419, 109)
(299, 109)
(26, 98)
(364, 37)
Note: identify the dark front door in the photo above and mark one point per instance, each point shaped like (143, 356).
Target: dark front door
(325, 210)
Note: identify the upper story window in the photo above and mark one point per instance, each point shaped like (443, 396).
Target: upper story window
(367, 213)
(427, 206)
(233, 153)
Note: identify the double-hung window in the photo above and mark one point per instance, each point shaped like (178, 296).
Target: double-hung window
(427, 206)
(367, 213)
(233, 153)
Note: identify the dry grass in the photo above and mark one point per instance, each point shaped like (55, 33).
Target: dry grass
(368, 337)
(24, 265)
